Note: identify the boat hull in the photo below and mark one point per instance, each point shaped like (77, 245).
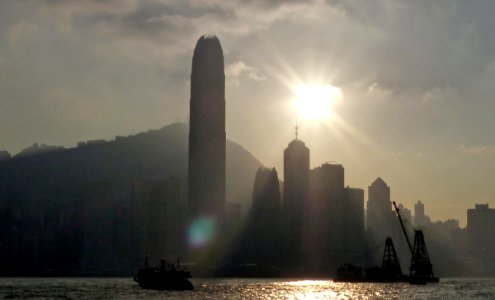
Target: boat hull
(160, 279)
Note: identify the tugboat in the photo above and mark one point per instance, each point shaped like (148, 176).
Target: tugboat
(164, 277)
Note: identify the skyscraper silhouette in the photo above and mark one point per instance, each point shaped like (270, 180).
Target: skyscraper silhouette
(265, 218)
(380, 219)
(296, 174)
(379, 213)
(207, 130)
(326, 214)
(420, 219)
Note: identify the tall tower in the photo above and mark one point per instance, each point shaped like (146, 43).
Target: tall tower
(296, 174)
(207, 130)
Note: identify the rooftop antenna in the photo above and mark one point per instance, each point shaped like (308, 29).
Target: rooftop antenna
(296, 129)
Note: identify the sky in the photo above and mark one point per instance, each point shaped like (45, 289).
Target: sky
(416, 78)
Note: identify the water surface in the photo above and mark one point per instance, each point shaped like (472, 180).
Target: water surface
(125, 288)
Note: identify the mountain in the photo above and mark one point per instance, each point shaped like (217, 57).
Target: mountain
(42, 173)
(69, 209)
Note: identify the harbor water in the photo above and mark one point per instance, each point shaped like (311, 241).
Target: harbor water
(125, 288)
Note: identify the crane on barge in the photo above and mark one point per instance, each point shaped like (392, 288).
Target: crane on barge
(421, 270)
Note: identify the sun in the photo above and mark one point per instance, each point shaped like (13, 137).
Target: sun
(316, 101)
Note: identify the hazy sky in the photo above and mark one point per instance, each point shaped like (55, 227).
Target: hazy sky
(417, 79)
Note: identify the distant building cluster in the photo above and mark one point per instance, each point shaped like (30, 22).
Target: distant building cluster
(319, 223)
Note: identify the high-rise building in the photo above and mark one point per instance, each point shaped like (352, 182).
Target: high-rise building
(481, 241)
(157, 211)
(420, 219)
(296, 172)
(379, 203)
(405, 214)
(336, 213)
(354, 223)
(266, 192)
(207, 143)
(264, 218)
(325, 211)
(380, 219)
(98, 246)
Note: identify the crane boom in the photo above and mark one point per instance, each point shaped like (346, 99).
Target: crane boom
(403, 228)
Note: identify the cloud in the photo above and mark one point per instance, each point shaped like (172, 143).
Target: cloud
(478, 150)
(19, 32)
(403, 46)
(173, 23)
(375, 91)
(240, 68)
(417, 154)
(421, 45)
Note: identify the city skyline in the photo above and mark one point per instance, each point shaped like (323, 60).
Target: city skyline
(415, 81)
(128, 196)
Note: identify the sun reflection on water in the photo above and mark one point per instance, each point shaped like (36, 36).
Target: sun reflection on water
(237, 288)
(325, 289)
(308, 282)
(300, 289)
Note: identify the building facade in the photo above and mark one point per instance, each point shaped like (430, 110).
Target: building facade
(157, 219)
(380, 220)
(420, 219)
(296, 173)
(481, 240)
(264, 219)
(336, 213)
(207, 142)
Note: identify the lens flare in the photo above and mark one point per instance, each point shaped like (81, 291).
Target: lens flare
(201, 232)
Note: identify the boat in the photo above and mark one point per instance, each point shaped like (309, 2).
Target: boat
(389, 271)
(164, 277)
(349, 273)
(420, 270)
